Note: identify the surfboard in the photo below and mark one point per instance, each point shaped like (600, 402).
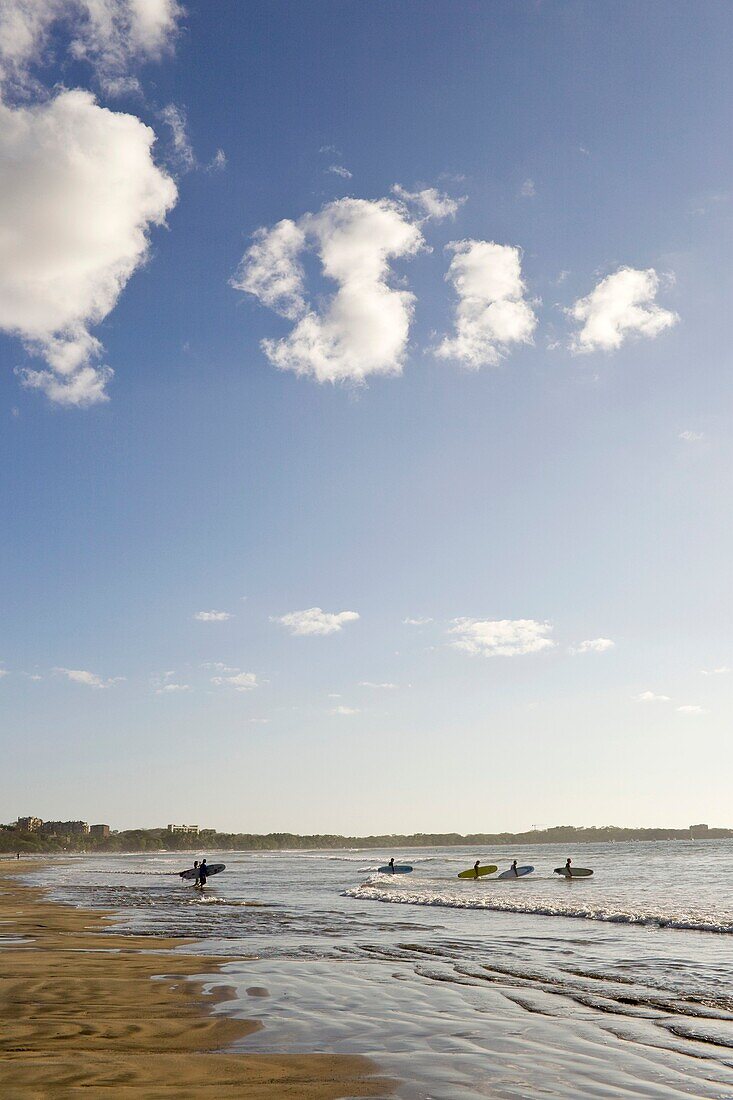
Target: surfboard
(575, 872)
(521, 872)
(398, 869)
(487, 870)
(211, 869)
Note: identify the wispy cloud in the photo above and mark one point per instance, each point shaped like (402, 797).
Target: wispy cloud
(432, 203)
(502, 637)
(345, 710)
(181, 154)
(652, 697)
(240, 681)
(339, 170)
(528, 190)
(314, 621)
(372, 684)
(690, 436)
(418, 621)
(593, 645)
(722, 670)
(692, 708)
(88, 679)
(212, 616)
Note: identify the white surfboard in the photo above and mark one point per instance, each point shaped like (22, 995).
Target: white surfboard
(521, 872)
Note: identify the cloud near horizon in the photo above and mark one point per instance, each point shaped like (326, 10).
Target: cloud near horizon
(621, 305)
(501, 637)
(593, 645)
(240, 681)
(491, 312)
(213, 616)
(363, 328)
(88, 679)
(314, 621)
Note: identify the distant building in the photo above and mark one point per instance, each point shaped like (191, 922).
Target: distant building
(29, 824)
(99, 830)
(186, 830)
(65, 828)
(698, 832)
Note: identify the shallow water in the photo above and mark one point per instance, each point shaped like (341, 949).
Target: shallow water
(620, 985)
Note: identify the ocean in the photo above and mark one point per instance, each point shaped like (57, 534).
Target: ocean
(620, 985)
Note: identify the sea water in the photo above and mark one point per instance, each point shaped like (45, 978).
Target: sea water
(620, 985)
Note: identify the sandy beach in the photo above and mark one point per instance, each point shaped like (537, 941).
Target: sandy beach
(121, 1015)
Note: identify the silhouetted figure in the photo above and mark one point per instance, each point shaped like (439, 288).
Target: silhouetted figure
(476, 867)
(203, 873)
(514, 868)
(391, 866)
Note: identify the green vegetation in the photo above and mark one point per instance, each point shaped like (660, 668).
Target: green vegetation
(147, 840)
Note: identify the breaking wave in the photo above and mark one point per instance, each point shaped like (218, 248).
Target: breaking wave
(394, 895)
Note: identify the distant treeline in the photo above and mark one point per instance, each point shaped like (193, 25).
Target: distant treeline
(146, 840)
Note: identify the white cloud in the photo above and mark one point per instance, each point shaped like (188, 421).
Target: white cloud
(491, 312)
(345, 710)
(111, 35)
(362, 329)
(652, 697)
(418, 621)
(78, 192)
(372, 684)
(501, 638)
(212, 616)
(691, 437)
(89, 679)
(271, 271)
(240, 681)
(722, 670)
(692, 708)
(3, 672)
(620, 305)
(218, 162)
(259, 721)
(166, 689)
(314, 621)
(593, 645)
(433, 204)
(527, 190)
(339, 170)
(183, 156)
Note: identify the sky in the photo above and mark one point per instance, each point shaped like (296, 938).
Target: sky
(365, 392)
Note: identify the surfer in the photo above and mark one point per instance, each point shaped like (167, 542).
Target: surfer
(203, 871)
(391, 866)
(514, 868)
(195, 872)
(476, 866)
(568, 871)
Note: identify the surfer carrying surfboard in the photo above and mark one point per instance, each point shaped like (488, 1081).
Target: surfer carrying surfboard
(568, 872)
(203, 871)
(476, 866)
(514, 868)
(391, 865)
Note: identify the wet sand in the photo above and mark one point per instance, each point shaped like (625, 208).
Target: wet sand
(86, 1013)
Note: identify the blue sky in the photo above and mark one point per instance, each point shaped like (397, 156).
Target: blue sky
(560, 481)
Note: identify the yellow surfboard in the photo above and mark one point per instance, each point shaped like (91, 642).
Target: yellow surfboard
(488, 870)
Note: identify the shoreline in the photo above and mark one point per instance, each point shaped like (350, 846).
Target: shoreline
(125, 1014)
